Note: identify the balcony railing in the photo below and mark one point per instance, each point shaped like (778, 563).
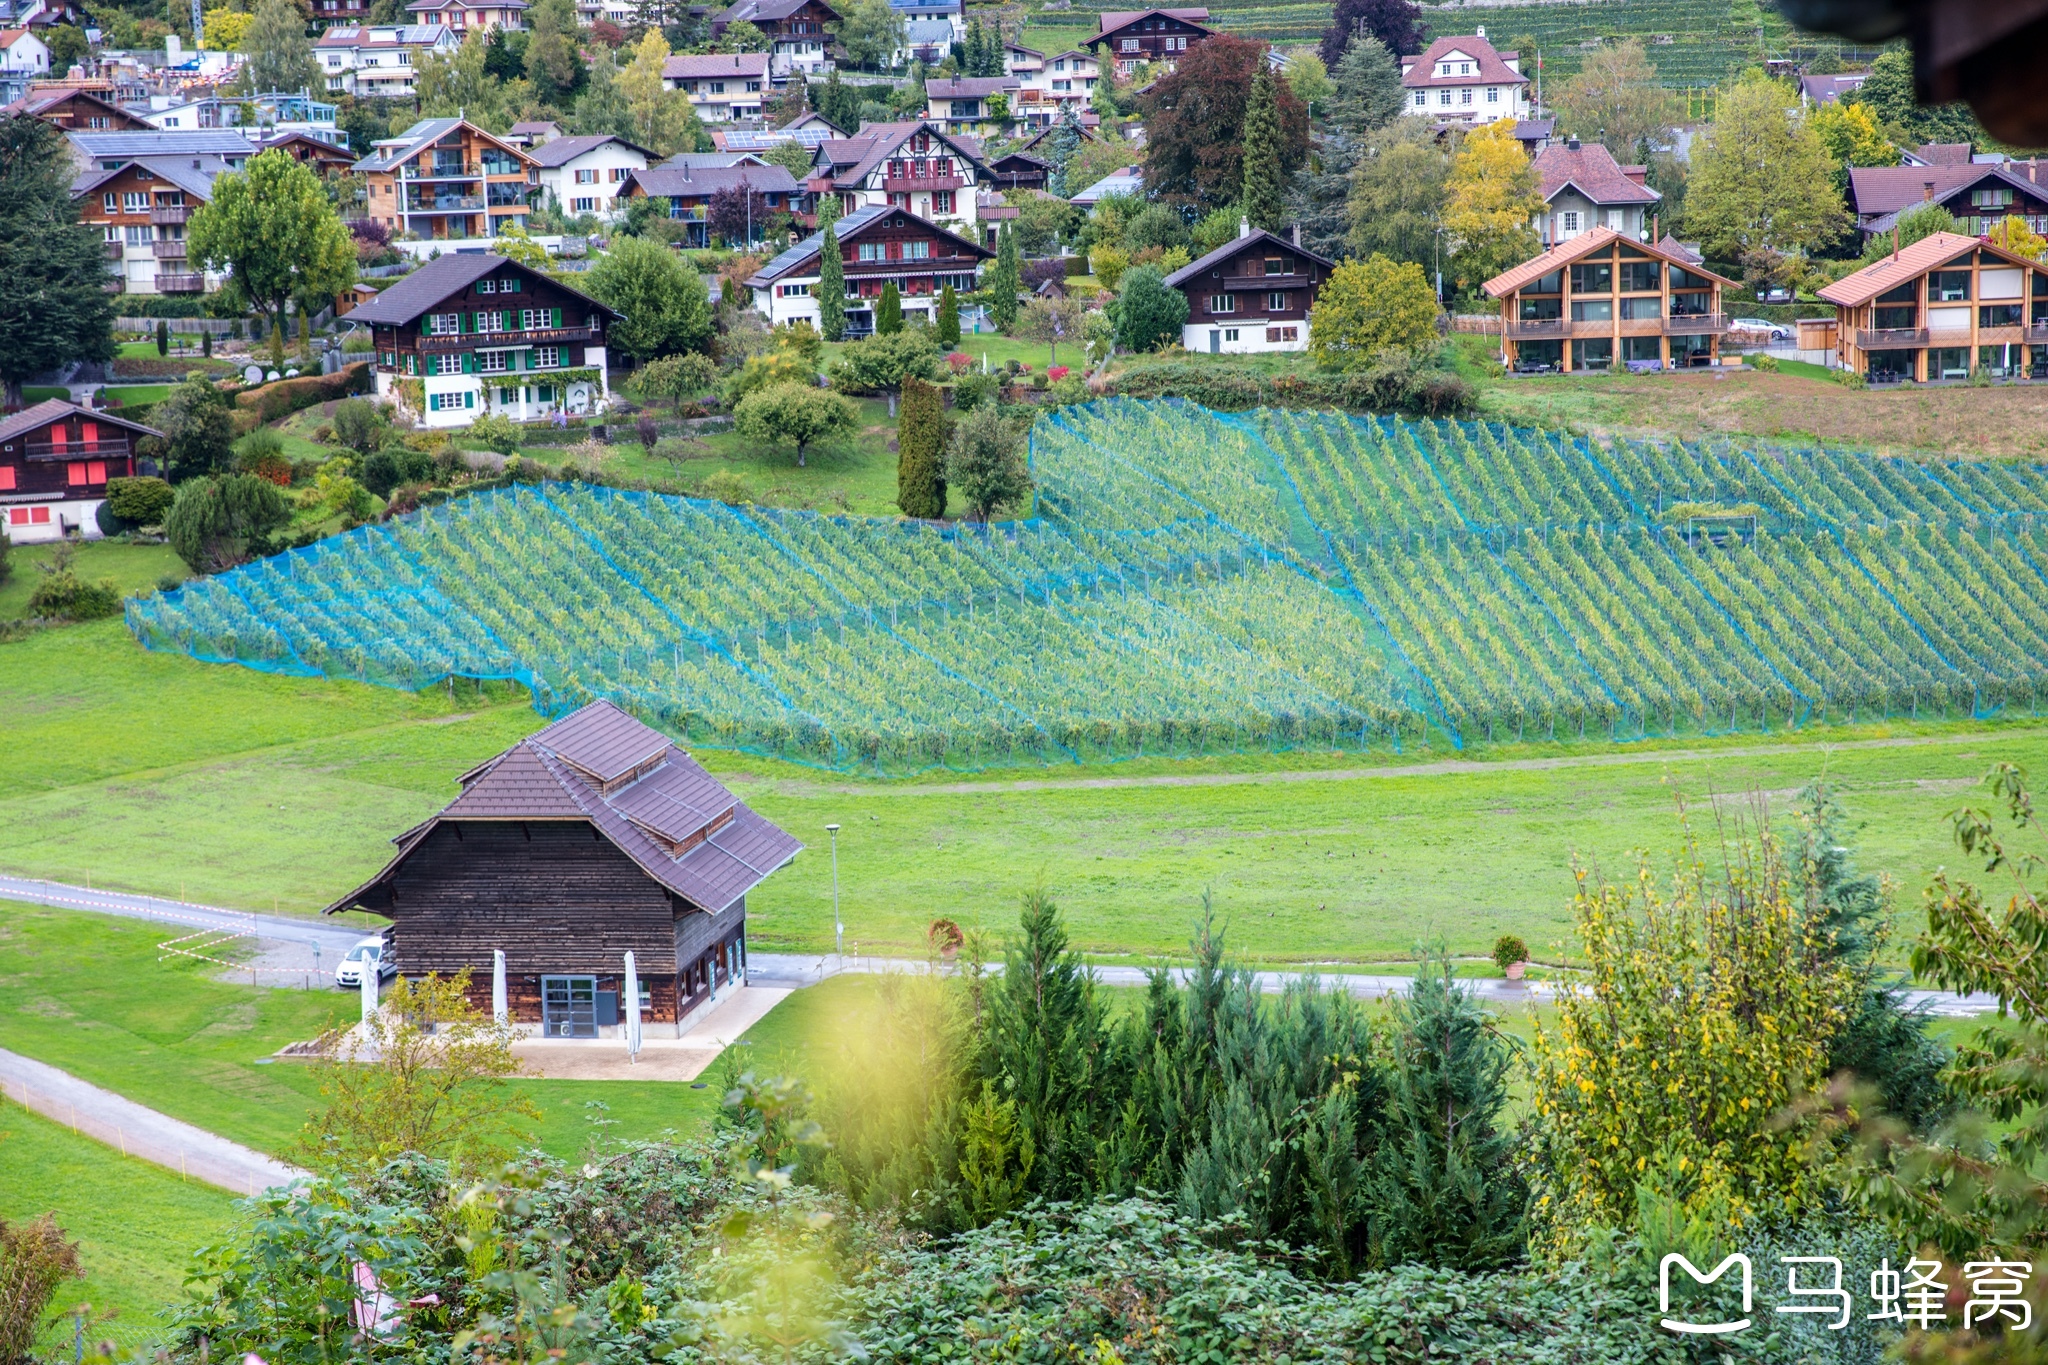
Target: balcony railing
(180, 284)
(484, 341)
(170, 215)
(173, 250)
(1538, 328)
(443, 170)
(77, 450)
(901, 184)
(1695, 325)
(116, 250)
(1889, 338)
(450, 203)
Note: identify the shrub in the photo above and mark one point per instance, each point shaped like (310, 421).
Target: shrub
(261, 453)
(64, 596)
(358, 424)
(879, 362)
(215, 523)
(389, 468)
(986, 462)
(1148, 313)
(140, 501)
(1408, 384)
(796, 414)
(676, 377)
(494, 431)
(1508, 950)
(727, 487)
(34, 1260)
(769, 368)
(973, 389)
(1766, 363)
(287, 396)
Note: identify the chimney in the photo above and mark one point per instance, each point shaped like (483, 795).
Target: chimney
(1297, 234)
(1927, 191)
(1571, 144)
(1244, 227)
(1480, 32)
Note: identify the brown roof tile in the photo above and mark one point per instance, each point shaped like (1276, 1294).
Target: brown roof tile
(1590, 169)
(1866, 284)
(1585, 244)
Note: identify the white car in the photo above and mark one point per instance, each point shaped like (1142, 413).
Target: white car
(1776, 331)
(349, 975)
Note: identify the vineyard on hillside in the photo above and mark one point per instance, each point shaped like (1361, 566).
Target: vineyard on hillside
(1201, 583)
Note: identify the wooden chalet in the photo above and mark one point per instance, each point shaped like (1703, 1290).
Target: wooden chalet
(1020, 171)
(593, 838)
(445, 177)
(799, 32)
(470, 333)
(878, 245)
(322, 156)
(689, 191)
(1943, 308)
(1602, 300)
(77, 110)
(55, 460)
(1253, 293)
(1131, 38)
(909, 165)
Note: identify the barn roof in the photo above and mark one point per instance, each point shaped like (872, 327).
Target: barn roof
(648, 798)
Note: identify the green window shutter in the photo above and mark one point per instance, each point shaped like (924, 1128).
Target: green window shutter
(469, 362)
(469, 399)
(558, 317)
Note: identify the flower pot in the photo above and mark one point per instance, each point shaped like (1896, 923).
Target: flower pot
(1515, 970)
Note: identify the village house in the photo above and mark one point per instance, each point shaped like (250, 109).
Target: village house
(798, 39)
(1601, 301)
(1254, 293)
(724, 86)
(1977, 195)
(1066, 80)
(971, 105)
(1019, 171)
(380, 61)
(465, 15)
(1463, 80)
(1133, 38)
(878, 245)
(72, 108)
(1941, 309)
(24, 59)
(1583, 188)
(689, 190)
(111, 151)
(333, 12)
(531, 133)
(924, 40)
(911, 166)
(1130, 180)
(324, 157)
(472, 332)
(584, 173)
(947, 12)
(141, 209)
(590, 840)
(55, 460)
(446, 177)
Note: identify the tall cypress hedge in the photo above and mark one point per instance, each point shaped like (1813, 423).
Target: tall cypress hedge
(920, 450)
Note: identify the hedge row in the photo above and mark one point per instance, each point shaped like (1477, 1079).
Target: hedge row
(287, 396)
(1421, 392)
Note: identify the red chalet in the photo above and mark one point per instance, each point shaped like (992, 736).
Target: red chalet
(55, 460)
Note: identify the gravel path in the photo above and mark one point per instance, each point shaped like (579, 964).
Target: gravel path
(137, 1131)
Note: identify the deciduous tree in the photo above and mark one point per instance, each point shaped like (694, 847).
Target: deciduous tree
(553, 65)
(1889, 93)
(920, 452)
(1761, 179)
(985, 463)
(602, 107)
(1368, 306)
(1148, 313)
(1195, 124)
(217, 523)
(1490, 202)
(54, 307)
(198, 428)
(1851, 137)
(461, 83)
(795, 414)
(272, 225)
(663, 119)
(1398, 191)
(1615, 99)
(1051, 320)
(2012, 233)
(1310, 81)
(871, 34)
(279, 52)
(665, 305)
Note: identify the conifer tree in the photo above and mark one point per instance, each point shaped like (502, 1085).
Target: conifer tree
(920, 449)
(889, 313)
(1061, 148)
(831, 283)
(1263, 178)
(1003, 283)
(54, 307)
(948, 330)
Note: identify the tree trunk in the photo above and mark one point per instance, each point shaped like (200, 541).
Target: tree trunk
(10, 395)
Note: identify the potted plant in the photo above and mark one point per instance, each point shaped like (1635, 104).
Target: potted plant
(1512, 956)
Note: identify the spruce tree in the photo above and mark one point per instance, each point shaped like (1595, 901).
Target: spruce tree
(889, 313)
(920, 449)
(163, 337)
(1003, 283)
(54, 307)
(1060, 150)
(948, 329)
(1263, 178)
(831, 285)
(1444, 1190)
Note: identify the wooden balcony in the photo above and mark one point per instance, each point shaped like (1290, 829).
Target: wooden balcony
(180, 284)
(904, 184)
(1890, 338)
(115, 250)
(484, 341)
(168, 251)
(450, 203)
(1538, 329)
(1696, 325)
(170, 215)
(1957, 338)
(77, 450)
(443, 170)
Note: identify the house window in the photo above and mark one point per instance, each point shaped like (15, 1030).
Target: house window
(872, 251)
(531, 319)
(443, 324)
(1278, 334)
(1444, 98)
(1278, 301)
(111, 202)
(585, 205)
(1276, 265)
(447, 364)
(139, 234)
(1571, 221)
(618, 174)
(1991, 199)
(1230, 333)
(135, 201)
(493, 321)
(1464, 97)
(28, 516)
(546, 357)
(1129, 45)
(587, 176)
(508, 286)
(6, 478)
(486, 286)
(942, 202)
(1223, 303)
(1421, 98)
(1493, 94)
(794, 291)
(492, 362)
(83, 473)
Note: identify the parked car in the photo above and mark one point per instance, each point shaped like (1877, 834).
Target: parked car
(1777, 293)
(1776, 331)
(371, 952)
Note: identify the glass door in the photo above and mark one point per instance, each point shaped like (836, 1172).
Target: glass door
(568, 1006)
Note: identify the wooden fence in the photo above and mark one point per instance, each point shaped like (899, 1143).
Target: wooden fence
(220, 327)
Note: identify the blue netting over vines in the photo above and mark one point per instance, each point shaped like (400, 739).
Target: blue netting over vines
(1201, 583)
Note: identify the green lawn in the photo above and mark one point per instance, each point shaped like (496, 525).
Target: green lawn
(131, 394)
(134, 569)
(252, 790)
(36, 393)
(856, 475)
(136, 1224)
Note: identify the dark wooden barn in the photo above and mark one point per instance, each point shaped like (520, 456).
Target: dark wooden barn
(591, 838)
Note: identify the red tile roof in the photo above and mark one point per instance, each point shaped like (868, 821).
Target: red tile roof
(1852, 291)
(1590, 169)
(1421, 71)
(1880, 190)
(1944, 153)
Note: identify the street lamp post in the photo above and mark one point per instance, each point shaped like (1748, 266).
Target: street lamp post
(838, 928)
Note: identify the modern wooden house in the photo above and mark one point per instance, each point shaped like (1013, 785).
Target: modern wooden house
(55, 460)
(445, 177)
(593, 838)
(1132, 38)
(1940, 309)
(1601, 301)
(1251, 294)
(471, 333)
(878, 245)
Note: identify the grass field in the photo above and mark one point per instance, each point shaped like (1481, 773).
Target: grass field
(257, 791)
(134, 568)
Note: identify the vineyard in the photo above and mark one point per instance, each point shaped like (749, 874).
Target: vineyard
(1201, 583)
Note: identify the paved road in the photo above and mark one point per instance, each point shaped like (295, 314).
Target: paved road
(137, 1131)
(779, 969)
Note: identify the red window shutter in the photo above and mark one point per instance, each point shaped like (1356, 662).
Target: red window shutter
(89, 432)
(57, 436)
(96, 472)
(39, 516)
(6, 478)
(74, 473)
